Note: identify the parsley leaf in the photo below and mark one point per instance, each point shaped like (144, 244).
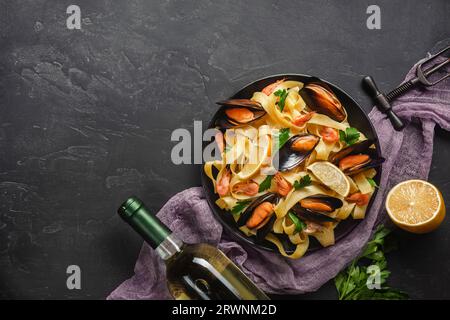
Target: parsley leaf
(299, 224)
(282, 94)
(240, 205)
(350, 136)
(265, 184)
(372, 182)
(283, 137)
(352, 283)
(342, 136)
(304, 182)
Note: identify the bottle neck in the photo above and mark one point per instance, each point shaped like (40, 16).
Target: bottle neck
(154, 232)
(169, 247)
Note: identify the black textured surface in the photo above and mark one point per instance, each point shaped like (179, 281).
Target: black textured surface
(86, 118)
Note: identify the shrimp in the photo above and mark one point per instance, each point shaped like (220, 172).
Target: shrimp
(219, 140)
(223, 184)
(361, 199)
(282, 185)
(248, 188)
(271, 87)
(302, 119)
(329, 135)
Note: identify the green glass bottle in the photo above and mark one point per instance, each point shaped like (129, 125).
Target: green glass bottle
(194, 271)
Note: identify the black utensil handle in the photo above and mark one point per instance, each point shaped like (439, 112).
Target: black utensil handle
(371, 87)
(385, 106)
(382, 102)
(397, 123)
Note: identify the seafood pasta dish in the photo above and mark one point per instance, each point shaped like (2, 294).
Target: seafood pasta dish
(291, 166)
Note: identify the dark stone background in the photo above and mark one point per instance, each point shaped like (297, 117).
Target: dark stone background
(86, 118)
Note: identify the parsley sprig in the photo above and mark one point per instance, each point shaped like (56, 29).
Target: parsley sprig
(372, 183)
(265, 184)
(299, 224)
(351, 283)
(349, 136)
(283, 137)
(303, 182)
(282, 94)
(240, 205)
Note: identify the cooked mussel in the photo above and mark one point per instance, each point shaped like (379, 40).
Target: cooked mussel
(238, 112)
(264, 230)
(295, 151)
(320, 98)
(321, 203)
(317, 207)
(259, 215)
(310, 215)
(357, 157)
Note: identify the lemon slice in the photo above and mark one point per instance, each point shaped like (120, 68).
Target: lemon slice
(331, 176)
(416, 206)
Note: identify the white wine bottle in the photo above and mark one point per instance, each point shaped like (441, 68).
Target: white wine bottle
(194, 271)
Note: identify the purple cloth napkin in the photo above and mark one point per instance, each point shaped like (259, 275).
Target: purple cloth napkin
(408, 155)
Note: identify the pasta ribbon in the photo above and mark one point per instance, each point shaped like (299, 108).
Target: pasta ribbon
(299, 250)
(325, 236)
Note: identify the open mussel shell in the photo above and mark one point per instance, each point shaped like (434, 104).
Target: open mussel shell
(268, 197)
(238, 112)
(262, 232)
(362, 148)
(372, 163)
(288, 157)
(309, 215)
(357, 148)
(266, 225)
(319, 97)
(329, 201)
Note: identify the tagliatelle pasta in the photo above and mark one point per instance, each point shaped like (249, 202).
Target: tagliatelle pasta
(266, 175)
(300, 248)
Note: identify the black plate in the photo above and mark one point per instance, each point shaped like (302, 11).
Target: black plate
(356, 117)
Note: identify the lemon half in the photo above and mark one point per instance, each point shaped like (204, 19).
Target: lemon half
(416, 206)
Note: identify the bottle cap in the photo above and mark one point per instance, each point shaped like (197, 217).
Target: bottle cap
(136, 214)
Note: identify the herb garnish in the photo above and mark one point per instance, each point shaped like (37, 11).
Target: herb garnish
(352, 283)
(240, 205)
(265, 184)
(350, 136)
(299, 224)
(303, 182)
(283, 137)
(282, 94)
(372, 182)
